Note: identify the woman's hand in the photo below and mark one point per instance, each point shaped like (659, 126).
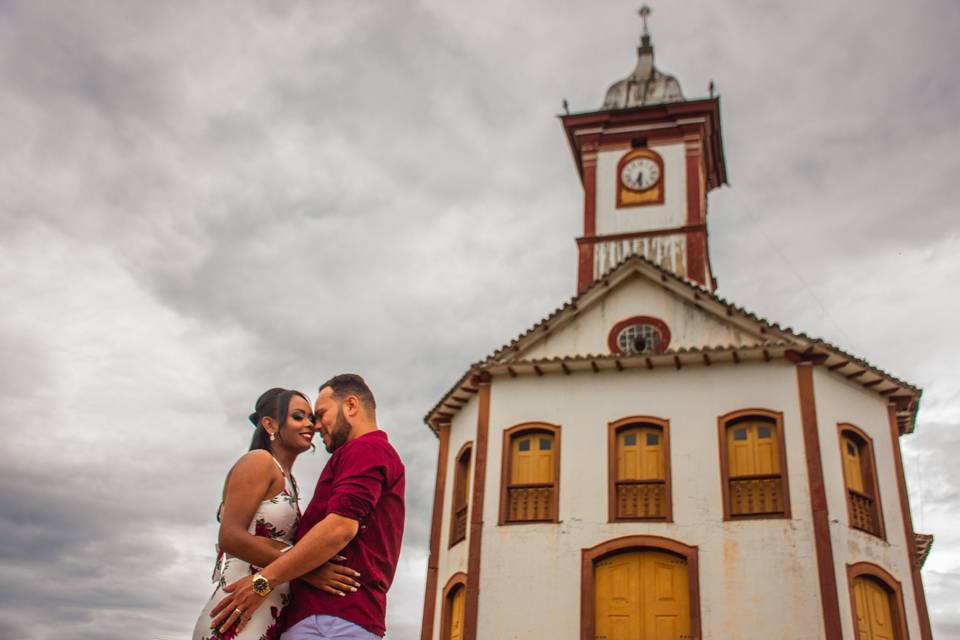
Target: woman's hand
(333, 578)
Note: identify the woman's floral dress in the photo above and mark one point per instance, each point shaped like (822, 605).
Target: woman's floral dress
(275, 518)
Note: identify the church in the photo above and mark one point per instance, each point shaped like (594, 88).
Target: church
(652, 461)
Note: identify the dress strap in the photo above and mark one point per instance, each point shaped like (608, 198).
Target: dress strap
(279, 466)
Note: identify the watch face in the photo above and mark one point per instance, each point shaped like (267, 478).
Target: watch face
(640, 174)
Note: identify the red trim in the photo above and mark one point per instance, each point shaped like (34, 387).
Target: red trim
(589, 190)
(475, 536)
(617, 127)
(909, 546)
(829, 597)
(585, 252)
(629, 235)
(588, 557)
(430, 593)
(623, 324)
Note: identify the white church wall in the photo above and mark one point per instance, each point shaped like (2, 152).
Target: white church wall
(689, 326)
(463, 429)
(840, 401)
(673, 211)
(748, 569)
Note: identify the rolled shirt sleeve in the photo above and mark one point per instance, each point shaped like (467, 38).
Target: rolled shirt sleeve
(360, 479)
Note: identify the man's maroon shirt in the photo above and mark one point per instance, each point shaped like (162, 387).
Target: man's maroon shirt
(364, 481)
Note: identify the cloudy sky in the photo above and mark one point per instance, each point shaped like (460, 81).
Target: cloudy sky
(202, 200)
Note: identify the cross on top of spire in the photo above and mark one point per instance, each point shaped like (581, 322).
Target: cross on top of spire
(644, 12)
(645, 45)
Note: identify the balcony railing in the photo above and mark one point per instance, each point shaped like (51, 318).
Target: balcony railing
(459, 530)
(863, 513)
(639, 499)
(756, 495)
(530, 502)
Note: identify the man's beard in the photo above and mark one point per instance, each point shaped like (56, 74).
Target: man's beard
(339, 433)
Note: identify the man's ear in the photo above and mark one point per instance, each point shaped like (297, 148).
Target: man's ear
(351, 405)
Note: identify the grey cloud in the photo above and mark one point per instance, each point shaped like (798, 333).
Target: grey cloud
(202, 201)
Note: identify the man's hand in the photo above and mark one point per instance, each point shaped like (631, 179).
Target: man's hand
(333, 578)
(238, 607)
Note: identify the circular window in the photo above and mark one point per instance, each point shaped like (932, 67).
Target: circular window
(637, 335)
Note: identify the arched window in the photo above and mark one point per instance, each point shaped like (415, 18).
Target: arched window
(860, 479)
(639, 587)
(639, 469)
(461, 495)
(454, 600)
(753, 464)
(876, 601)
(639, 334)
(530, 473)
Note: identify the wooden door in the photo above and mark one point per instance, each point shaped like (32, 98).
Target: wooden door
(873, 611)
(457, 598)
(642, 595)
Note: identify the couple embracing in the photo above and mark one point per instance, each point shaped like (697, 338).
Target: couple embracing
(323, 575)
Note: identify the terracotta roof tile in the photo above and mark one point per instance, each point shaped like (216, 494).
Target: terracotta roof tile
(788, 335)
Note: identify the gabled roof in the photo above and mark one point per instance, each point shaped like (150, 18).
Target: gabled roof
(779, 342)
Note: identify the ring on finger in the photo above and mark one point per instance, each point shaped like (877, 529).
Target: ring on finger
(238, 611)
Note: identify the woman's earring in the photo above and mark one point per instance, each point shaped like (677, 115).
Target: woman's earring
(272, 437)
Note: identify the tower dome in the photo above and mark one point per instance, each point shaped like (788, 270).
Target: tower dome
(646, 85)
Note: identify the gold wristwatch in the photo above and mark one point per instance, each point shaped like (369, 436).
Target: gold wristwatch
(261, 586)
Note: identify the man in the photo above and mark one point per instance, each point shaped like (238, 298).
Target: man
(357, 510)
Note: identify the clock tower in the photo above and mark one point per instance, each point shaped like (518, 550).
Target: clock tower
(647, 160)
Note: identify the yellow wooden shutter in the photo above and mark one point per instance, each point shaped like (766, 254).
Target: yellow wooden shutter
(530, 494)
(852, 465)
(753, 459)
(640, 473)
(874, 615)
(640, 454)
(642, 595)
(456, 614)
(752, 449)
(532, 458)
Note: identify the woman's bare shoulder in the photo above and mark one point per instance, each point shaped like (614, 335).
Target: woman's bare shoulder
(257, 462)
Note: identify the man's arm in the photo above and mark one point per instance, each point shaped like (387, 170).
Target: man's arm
(321, 543)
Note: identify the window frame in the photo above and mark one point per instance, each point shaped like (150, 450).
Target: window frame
(661, 326)
(730, 419)
(460, 485)
(868, 454)
(613, 430)
(894, 591)
(589, 557)
(506, 467)
(459, 579)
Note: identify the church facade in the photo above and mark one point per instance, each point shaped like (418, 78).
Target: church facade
(653, 461)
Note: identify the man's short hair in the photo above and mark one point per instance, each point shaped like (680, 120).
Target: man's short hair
(350, 384)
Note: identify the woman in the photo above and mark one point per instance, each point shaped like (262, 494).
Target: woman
(260, 513)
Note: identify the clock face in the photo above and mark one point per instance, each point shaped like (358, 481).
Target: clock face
(640, 174)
